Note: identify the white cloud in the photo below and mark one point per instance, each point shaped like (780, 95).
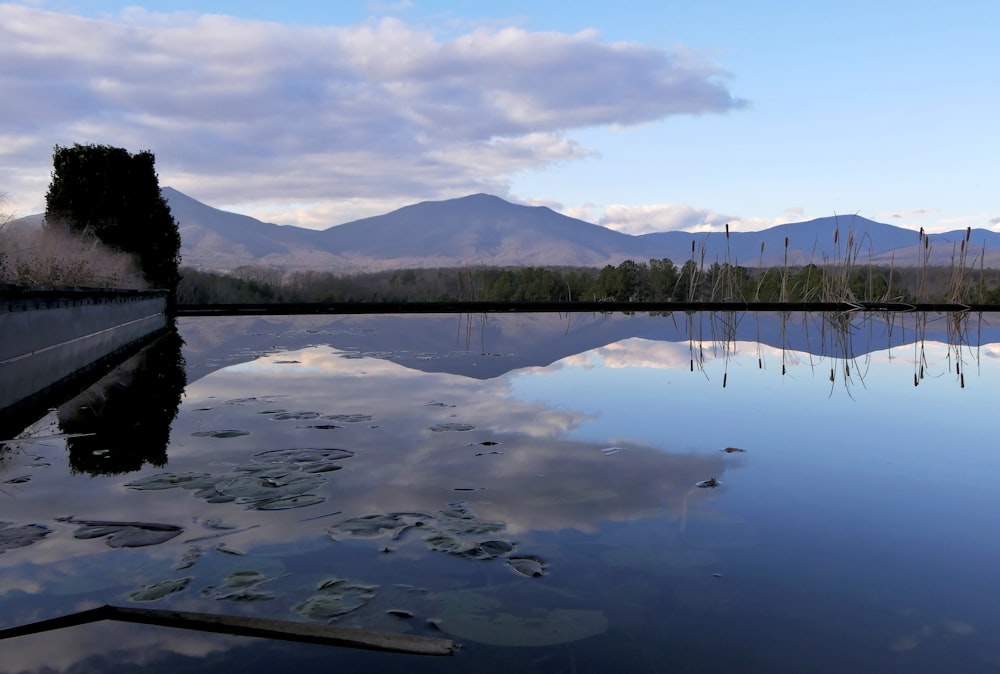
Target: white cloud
(661, 218)
(251, 112)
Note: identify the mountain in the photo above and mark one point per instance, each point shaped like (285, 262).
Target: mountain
(485, 230)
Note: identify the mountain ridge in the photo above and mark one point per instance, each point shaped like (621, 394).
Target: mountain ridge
(486, 230)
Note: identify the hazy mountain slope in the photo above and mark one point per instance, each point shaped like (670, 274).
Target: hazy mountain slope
(486, 230)
(478, 229)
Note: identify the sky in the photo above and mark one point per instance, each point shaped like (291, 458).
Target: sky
(638, 115)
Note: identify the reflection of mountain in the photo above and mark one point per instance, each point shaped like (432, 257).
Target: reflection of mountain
(487, 346)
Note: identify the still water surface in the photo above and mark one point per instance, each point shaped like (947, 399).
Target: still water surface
(531, 486)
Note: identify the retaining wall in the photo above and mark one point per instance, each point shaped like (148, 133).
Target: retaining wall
(47, 337)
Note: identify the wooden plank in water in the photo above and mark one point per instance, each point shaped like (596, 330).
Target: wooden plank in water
(330, 635)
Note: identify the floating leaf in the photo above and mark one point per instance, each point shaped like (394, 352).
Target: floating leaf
(188, 558)
(371, 526)
(22, 536)
(288, 502)
(707, 484)
(450, 426)
(286, 416)
(127, 534)
(532, 567)
(349, 418)
(490, 617)
(227, 433)
(608, 451)
(733, 450)
(335, 600)
(243, 578)
(158, 591)
(172, 480)
(308, 460)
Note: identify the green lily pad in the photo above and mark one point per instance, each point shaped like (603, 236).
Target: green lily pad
(158, 591)
(336, 598)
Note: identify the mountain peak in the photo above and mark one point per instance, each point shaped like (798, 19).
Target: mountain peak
(486, 230)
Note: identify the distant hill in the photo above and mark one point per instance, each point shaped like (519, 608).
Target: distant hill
(485, 230)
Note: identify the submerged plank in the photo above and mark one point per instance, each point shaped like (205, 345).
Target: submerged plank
(331, 635)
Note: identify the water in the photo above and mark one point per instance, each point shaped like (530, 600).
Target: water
(536, 478)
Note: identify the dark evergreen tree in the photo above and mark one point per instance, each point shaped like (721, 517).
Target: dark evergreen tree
(115, 195)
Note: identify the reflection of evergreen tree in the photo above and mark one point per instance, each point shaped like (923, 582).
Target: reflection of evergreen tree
(128, 414)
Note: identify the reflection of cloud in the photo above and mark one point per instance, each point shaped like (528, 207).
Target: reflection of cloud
(645, 354)
(78, 646)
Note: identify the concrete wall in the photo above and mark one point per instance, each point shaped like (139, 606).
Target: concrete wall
(47, 337)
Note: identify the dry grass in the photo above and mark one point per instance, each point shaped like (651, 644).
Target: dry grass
(55, 256)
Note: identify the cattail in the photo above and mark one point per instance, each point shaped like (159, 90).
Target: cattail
(831, 374)
(761, 247)
(724, 375)
(850, 241)
(919, 238)
(926, 242)
(727, 230)
(961, 380)
(782, 369)
(836, 236)
(847, 369)
(692, 364)
(915, 382)
(692, 246)
(968, 233)
(760, 364)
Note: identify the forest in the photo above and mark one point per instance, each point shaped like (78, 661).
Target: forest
(656, 280)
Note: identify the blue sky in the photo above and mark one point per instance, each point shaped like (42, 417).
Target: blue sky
(641, 116)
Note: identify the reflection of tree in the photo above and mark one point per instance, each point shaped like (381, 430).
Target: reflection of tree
(127, 415)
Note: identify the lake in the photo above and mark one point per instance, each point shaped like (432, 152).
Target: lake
(553, 492)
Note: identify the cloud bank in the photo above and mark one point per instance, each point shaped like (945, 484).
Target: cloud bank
(324, 119)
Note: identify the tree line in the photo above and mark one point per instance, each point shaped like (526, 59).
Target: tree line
(656, 280)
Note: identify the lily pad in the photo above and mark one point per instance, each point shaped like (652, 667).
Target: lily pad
(289, 502)
(188, 558)
(309, 460)
(158, 591)
(127, 534)
(531, 567)
(372, 526)
(349, 418)
(451, 426)
(490, 617)
(287, 416)
(226, 433)
(22, 536)
(172, 480)
(336, 598)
